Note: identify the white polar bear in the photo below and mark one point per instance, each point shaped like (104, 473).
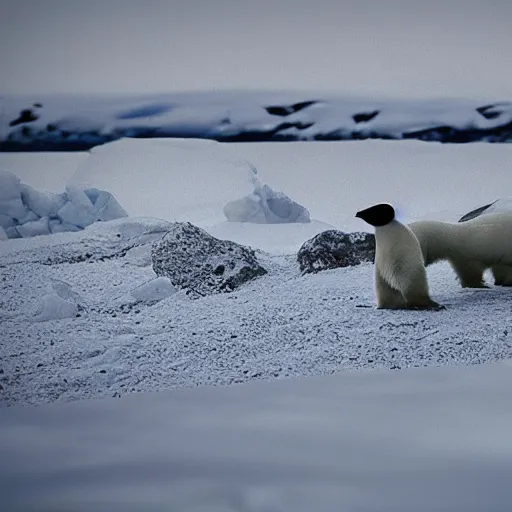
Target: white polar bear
(400, 275)
(470, 247)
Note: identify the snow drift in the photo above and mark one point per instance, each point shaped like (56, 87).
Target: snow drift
(186, 180)
(422, 440)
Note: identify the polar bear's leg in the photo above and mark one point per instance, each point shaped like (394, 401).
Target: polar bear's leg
(387, 297)
(470, 273)
(502, 275)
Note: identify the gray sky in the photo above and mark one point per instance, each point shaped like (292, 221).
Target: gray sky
(398, 47)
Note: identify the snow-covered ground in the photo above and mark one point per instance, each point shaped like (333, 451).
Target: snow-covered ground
(39, 123)
(77, 322)
(422, 440)
(97, 340)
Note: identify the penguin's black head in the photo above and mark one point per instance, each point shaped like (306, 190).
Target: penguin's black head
(378, 215)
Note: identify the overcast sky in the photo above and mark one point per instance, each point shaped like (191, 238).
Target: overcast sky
(397, 47)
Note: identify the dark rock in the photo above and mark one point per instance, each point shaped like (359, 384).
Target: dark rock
(334, 249)
(26, 116)
(201, 264)
(475, 213)
(363, 117)
(286, 110)
(492, 111)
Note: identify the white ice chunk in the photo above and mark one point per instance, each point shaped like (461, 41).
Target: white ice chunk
(92, 194)
(107, 208)
(78, 210)
(245, 209)
(29, 217)
(78, 197)
(77, 215)
(34, 228)
(54, 307)
(12, 232)
(13, 208)
(56, 226)
(6, 221)
(3, 234)
(266, 206)
(41, 203)
(9, 186)
(154, 290)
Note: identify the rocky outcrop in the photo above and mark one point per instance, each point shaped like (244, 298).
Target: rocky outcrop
(203, 265)
(334, 249)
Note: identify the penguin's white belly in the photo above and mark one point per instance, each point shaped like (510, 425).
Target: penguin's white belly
(398, 268)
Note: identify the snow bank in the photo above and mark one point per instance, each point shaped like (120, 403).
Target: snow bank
(81, 123)
(185, 180)
(418, 440)
(193, 180)
(26, 212)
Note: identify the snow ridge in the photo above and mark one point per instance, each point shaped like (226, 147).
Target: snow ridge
(80, 123)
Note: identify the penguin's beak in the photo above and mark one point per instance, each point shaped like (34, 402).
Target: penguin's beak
(358, 214)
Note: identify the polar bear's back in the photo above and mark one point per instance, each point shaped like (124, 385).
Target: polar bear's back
(487, 238)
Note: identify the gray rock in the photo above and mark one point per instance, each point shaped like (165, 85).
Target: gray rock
(334, 249)
(201, 264)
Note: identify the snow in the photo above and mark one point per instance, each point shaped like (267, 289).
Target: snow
(84, 319)
(178, 166)
(330, 179)
(279, 325)
(416, 440)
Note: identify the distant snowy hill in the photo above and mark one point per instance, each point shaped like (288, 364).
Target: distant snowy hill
(79, 122)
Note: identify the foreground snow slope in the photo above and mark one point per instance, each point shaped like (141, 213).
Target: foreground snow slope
(423, 440)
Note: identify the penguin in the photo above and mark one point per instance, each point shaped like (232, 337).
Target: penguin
(400, 278)
(470, 247)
